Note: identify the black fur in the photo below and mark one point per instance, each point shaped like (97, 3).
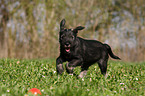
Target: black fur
(81, 52)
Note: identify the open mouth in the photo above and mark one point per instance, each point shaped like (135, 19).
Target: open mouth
(67, 49)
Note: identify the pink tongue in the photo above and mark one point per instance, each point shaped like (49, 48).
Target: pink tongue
(67, 50)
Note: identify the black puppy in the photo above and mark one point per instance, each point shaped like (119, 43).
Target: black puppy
(81, 52)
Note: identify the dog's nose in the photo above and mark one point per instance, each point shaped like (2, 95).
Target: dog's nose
(67, 44)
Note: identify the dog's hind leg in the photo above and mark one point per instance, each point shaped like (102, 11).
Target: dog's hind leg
(103, 66)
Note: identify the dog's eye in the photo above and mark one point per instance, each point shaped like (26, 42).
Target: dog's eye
(72, 37)
(62, 36)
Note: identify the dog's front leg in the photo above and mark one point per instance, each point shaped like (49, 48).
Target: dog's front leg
(69, 69)
(59, 65)
(72, 64)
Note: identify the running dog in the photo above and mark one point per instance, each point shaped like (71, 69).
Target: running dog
(81, 52)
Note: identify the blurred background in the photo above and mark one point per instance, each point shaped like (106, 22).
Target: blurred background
(29, 28)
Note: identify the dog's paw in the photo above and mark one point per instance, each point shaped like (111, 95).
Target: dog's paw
(106, 75)
(82, 74)
(69, 69)
(60, 68)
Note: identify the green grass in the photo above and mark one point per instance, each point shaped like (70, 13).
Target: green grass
(18, 76)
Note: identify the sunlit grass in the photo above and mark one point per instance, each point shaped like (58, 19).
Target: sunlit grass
(18, 76)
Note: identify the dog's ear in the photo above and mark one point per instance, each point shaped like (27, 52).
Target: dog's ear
(78, 28)
(62, 23)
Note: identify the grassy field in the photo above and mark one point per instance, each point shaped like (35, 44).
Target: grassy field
(18, 76)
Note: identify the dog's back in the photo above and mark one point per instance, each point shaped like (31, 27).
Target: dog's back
(92, 50)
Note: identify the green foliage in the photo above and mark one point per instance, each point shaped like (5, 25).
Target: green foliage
(18, 76)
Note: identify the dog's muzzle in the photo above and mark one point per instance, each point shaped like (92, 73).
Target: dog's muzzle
(67, 47)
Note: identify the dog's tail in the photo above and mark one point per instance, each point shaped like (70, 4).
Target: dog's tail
(110, 52)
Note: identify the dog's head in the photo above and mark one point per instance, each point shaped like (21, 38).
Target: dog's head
(67, 37)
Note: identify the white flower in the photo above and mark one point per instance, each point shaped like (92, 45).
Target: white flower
(90, 79)
(35, 93)
(51, 87)
(8, 90)
(18, 62)
(121, 83)
(82, 79)
(54, 71)
(43, 76)
(122, 88)
(136, 78)
(3, 94)
(88, 90)
(42, 90)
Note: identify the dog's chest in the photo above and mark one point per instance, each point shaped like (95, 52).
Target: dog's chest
(68, 56)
